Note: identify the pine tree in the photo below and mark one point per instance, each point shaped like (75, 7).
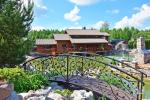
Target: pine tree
(15, 21)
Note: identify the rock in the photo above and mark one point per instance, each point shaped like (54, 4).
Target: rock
(23, 96)
(55, 96)
(35, 94)
(81, 95)
(13, 96)
(55, 86)
(5, 90)
(36, 98)
(31, 91)
(43, 91)
(20, 97)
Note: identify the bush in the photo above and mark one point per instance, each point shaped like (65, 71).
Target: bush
(118, 81)
(23, 81)
(64, 92)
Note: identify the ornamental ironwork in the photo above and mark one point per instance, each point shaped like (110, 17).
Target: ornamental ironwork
(96, 73)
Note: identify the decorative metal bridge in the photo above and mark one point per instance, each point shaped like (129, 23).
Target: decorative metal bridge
(96, 73)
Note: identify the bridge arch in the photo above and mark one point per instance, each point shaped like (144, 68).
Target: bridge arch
(97, 73)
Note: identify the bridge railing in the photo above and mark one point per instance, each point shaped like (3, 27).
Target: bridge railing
(68, 66)
(128, 69)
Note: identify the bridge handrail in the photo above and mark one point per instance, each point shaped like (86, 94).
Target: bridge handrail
(111, 66)
(127, 65)
(139, 80)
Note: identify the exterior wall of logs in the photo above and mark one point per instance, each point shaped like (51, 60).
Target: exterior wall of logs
(74, 41)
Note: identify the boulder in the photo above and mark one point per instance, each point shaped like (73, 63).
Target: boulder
(23, 96)
(13, 96)
(37, 95)
(55, 86)
(43, 91)
(5, 90)
(55, 96)
(81, 95)
(36, 98)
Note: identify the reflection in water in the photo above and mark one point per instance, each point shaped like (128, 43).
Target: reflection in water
(147, 89)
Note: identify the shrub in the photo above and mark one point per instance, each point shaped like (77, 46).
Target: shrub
(23, 81)
(64, 92)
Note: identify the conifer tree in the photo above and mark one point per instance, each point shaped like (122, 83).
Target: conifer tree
(15, 21)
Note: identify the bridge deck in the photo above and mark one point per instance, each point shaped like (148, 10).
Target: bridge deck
(98, 86)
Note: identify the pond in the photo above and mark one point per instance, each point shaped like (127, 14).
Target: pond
(147, 89)
(122, 56)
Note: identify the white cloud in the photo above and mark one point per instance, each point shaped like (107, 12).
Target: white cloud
(99, 24)
(72, 15)
(84, 2)
(40, 4)
(136, 20)
(136, 9)
(37, 3)
(147, 28)
(113, 11)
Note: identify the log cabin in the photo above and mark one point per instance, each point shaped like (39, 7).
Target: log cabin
(75, 40)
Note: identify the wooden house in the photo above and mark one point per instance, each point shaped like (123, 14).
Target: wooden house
(75, 40)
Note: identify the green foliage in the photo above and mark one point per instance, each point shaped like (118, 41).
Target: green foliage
(15, 21)
(129, 34)
(111, 79)
(64, 92)
(104, 98)
(147, 43)
(118, 81)
(23, 81)
(126, 33)
(43, 34)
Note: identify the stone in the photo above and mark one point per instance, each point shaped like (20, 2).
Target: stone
(13, 96)
(5, 90)
(81, 95)
(36, 98)
(55, 96)
(43, 91)
(23, 95)
(55, 86)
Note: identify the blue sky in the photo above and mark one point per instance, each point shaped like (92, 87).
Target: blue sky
(61, 14)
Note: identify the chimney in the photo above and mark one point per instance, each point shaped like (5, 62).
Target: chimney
(141, 43)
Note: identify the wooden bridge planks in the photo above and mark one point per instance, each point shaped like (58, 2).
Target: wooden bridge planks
(98, 86)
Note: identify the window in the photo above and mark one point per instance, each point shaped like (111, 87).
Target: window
(47, 46)
(64, 46)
